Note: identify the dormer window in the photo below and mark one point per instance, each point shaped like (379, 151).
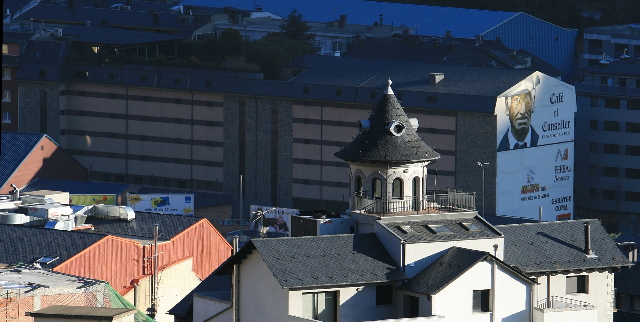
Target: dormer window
(396, 128)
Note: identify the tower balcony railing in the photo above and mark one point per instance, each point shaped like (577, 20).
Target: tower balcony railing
(434, 201)
(557, 302)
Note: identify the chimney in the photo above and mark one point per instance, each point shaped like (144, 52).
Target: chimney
(587, 239)
(380, 19)
(448, 33)
(435, 78)
(343, 21)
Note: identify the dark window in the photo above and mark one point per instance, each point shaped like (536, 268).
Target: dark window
(81, 74)
(320, 306)
(376, 188)
(373, 94)
(111, 76)
(176, 81)
(611, 126)
(153, 181)
(632, 173)
(632, 196)
(592, 193)
(42, 74)
(593, 124)
(610, 171)
(595, 44)
(633, 104)
(633, 127)
(576, 284)
(594, 102)
(604, 80)
(396, 191)
(306, 90)
(167, 182)
(622, 82)
(208, 83)
(137, 180)
(612, 103)
(384, 295)
(106, 177)
(633, 150)
(608, 194)
(481, 301)
(143, 78)
(182, 184)
(119, 178)
(593, 170)
(593, 147)
(358, 186)
(611, 148)
(338, 92)
(432, 99)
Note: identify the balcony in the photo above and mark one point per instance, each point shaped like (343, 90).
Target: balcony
(564, 309)
(606, 90)
(433, 202)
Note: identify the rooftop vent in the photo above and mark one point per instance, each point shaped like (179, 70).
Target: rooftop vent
(604, 61)
(435, 78)
(624, 54)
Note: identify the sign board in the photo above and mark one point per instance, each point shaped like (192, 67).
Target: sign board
(174, 204)
(535, 149)
(275, 219)
(88, 200)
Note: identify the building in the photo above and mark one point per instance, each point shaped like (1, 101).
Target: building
(416, 257)
(608, 125)
(28, 288)
(188, 249)
(83, 192)
(26, 157)
(12, 45)
(609, 43)
(627, 291)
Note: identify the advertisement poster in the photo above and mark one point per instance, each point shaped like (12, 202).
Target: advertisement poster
(88, 200)
(174, 204)
(277, 220)
(535, 149)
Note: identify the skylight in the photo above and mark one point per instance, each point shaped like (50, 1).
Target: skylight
(440, 229)
(470, 226)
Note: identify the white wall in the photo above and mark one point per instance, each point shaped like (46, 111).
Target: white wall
(512, 296)
(205, 307)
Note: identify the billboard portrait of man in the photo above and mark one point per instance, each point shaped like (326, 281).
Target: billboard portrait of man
(519, 107)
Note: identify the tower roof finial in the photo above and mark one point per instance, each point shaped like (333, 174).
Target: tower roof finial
(389, 90)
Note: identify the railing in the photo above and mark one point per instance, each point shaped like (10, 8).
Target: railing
(434, 201)
(558, 302)
(604, 89)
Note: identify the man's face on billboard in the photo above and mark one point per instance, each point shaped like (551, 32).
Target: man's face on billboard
(519, 109)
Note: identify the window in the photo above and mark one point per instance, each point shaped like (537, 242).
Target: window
(481, 301)
(593, 124)
(6, 95)
(611, 148)
(6, 117)
(611, 103)
(111, 76)
(633, 127)
(373, 94)
(167, 182)
(306, 90)
(432, 99)
(593, 147)
(358, 185)
(633, 150)
(6, 73)
(576, 284)
(138, 180)
(384, 295)
(611, 126)
(320, 306)
(622, 82)
(338, 92)
(594, 102)
(376, 188)
(143, 78)
(5, 49)
(470, 226)
(608, 194)
(176, 81)
(119, 178)
(593, 170)
(632, 196)
(153, 181)
(610, 171)
(182, 184)
(397, 188)
(208, 83)
(440, 229)
(633, 104)
(42, 74)
(593, 193)
(632, 173)
(604, 80)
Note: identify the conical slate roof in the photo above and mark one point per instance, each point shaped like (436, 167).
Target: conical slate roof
(390, 136)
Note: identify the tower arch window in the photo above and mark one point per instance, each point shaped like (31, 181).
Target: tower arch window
(358, 185)
(376, 188)
(396, 189)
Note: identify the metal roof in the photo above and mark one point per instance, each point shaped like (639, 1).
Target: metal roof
(559, 246)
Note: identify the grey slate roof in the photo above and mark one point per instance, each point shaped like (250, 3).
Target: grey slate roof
(627, 281)
(116, 36)
(142, 225)
(420, 233)
(323, 260)
(447, 268)
(378, 144)
(559, 246)
(76, 187)
(15, 147)
(20, 244)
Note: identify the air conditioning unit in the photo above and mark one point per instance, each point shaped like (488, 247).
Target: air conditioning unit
(58, 32)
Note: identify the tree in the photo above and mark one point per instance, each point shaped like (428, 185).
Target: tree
(274, 50)
(295, 28)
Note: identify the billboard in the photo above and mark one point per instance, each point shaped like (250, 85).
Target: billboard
(88, 200)
(174, 204)
(535, 126)
(275, 219)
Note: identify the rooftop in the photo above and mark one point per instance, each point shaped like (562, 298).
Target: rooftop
(142, 226)
(434, 228)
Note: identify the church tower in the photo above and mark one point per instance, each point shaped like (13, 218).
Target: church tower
(388, 162)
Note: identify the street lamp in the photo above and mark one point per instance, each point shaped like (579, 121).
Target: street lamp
(482, 165)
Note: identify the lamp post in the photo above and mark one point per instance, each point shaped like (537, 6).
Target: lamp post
(482, 165)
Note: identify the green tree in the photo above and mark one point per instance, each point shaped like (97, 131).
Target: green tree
(230, 43)
(295, 28)
(274, 50)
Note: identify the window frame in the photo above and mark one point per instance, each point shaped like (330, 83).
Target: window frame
(577, 284)
(481, 301)
(384, 295)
